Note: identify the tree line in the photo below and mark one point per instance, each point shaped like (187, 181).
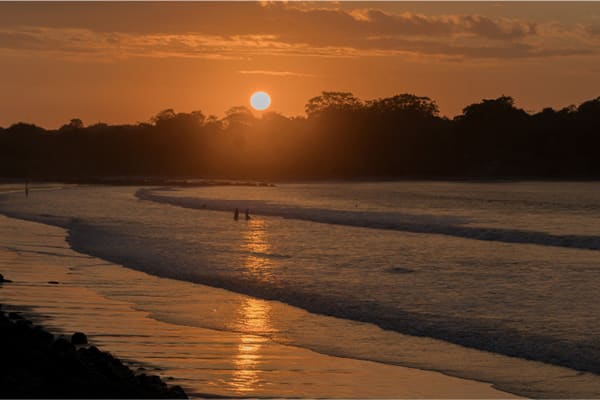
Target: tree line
(341, 137)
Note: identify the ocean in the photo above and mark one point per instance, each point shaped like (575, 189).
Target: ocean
(490, 281)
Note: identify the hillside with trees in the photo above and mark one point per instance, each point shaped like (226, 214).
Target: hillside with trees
(341, 137)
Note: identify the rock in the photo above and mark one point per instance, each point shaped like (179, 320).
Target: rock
(23, 322)
(53, 282)
(176, 392)
(3, 280)
(79, 338)
(62, 345)
(33, 364)
(150, 380)
(41, 336)
(14, 315)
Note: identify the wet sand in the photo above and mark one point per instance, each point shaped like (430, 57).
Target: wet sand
(203, 361)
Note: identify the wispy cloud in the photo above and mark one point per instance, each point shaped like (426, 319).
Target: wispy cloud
(289, 29)
(275, 73)
(411, 24)
(88, 45)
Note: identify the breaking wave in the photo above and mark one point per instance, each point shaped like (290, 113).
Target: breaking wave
(428, 224)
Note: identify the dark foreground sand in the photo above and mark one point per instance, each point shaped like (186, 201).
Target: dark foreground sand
(35, 364)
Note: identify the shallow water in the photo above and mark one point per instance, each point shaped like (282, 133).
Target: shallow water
(510, 268)
(107, 301)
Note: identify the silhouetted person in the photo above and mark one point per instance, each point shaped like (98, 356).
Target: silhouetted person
(247, 214)
(236, 214)
(26, 188)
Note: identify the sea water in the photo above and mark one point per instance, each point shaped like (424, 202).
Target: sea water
(510, 268)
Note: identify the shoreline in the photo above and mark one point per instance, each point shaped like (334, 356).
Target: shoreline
(350, 373)
(137, 181)
(190, 182)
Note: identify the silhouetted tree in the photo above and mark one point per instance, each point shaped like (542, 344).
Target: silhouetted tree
(405, 103)
(590, 107)
(74, 124)
(163, 116)
(24, 130)
(238, 116)
(497, 109)
(341, 137)
(332, 101)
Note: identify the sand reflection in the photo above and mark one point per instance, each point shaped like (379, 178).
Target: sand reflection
(253, 316)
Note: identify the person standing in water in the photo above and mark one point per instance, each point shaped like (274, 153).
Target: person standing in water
(247, 214)
(236, 214)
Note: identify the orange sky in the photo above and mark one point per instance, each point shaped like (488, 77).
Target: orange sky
(124, 62)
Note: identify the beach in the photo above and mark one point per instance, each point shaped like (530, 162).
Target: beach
(319, 294)
(204, 362)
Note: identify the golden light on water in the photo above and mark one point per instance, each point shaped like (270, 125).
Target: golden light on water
(257, 245)
(253, 317)
(246, 375)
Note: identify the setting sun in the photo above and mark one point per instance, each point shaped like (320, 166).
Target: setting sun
(260, 101)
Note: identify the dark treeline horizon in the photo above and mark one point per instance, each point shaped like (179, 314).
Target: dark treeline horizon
(341, 137)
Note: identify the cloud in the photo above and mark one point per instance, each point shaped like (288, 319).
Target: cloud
(275, 73)
(86, 45)
(410, 24)
(244, 30)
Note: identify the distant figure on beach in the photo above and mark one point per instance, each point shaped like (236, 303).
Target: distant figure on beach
(26, 188)
(247, 214)
(236, 214)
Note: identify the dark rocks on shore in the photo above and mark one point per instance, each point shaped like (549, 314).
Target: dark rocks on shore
(34, 364)
(2, 280)
(79, 338)
(14, 315)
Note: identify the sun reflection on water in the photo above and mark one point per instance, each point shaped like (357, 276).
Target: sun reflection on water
(258, 248)
(253, 317)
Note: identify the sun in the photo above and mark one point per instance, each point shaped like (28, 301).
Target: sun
(260, 100)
